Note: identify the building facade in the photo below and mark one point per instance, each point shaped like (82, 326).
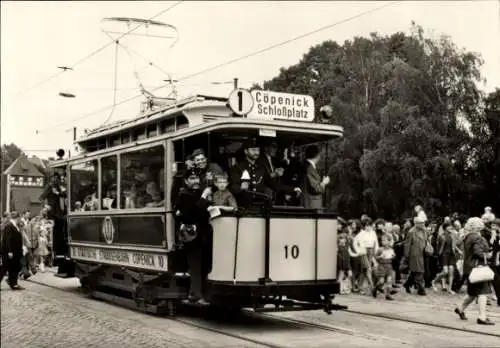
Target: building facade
(22, 185)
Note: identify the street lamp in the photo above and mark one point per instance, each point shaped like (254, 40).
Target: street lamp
(66, 94)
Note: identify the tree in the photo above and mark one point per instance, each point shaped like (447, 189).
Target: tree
(10, 152)
(488, 153)
(403, 101)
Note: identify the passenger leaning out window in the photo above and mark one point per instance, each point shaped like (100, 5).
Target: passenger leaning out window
(207, 171)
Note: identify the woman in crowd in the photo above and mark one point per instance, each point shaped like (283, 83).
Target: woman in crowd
(366, 244)
(476, 252)
(353, 229)
(448, 254)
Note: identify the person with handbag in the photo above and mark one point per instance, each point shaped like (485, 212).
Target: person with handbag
(476, 271)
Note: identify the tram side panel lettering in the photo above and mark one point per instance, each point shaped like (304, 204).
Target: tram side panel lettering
(88, 229)
(121, 257)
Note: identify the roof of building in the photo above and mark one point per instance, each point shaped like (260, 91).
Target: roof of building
(37, 161)
(23, 166)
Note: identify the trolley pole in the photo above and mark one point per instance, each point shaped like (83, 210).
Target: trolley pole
(235, 83)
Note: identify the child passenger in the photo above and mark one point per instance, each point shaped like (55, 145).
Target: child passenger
(223, 197)
(384, 256)
(344, 255)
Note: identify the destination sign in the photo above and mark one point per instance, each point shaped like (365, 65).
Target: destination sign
(282, 106)
(151, 261)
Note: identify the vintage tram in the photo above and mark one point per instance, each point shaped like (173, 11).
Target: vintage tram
(124, 244)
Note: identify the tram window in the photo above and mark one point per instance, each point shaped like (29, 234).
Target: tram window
(115, 140)
(109, 182)
(287, 153)
(139, 134)
(152, 130)
(142, 178)
(182, 122)
(125, 138)
(101, 143)
(167, 126)
(84, 186)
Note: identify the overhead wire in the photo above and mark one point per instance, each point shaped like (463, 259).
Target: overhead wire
(96, 51)
(115, 82)
(234, 60)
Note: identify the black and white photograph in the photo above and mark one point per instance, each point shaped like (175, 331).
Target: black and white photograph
(282, 174)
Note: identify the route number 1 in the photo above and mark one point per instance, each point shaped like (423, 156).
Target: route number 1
(241, 101)
(291, 251)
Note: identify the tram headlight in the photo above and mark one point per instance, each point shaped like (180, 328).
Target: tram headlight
(60, 153)
(326, 112)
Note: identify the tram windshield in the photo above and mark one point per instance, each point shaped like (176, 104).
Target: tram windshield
(283, 161)
(285, 168)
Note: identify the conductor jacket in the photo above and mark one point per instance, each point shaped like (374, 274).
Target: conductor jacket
(193, 211)
(260, 181)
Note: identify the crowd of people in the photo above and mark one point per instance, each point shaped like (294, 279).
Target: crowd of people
(374, 257)
(381, 257)
(26, 244)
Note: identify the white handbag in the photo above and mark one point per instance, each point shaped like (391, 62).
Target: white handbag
(481, 274)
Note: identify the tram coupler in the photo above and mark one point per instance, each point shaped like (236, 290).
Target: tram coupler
(329, 307)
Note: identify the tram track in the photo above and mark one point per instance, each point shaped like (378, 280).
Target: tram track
(197, 322)
(179, 320)
(420, 322)
(304, 323)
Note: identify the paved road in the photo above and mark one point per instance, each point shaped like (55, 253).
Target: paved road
(43, 317)
(46, 317)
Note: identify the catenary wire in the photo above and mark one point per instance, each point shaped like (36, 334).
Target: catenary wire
(96, 51)
(115, 82)
(231, 61)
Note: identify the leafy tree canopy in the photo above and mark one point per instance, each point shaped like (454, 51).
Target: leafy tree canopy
(418, 130)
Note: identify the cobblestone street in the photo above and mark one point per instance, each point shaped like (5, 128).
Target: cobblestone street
(53, 313)
(44, 317)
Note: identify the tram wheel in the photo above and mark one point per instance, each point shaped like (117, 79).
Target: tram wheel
(172, 308)
(85, 284)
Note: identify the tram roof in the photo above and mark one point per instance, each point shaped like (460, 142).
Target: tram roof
(160, 114)
(222, 123)
(203, 114)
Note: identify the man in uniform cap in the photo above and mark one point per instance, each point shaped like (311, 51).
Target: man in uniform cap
(193, 228)
(54, 195)
(248, 176)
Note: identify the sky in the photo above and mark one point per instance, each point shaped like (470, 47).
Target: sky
(36, 37)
